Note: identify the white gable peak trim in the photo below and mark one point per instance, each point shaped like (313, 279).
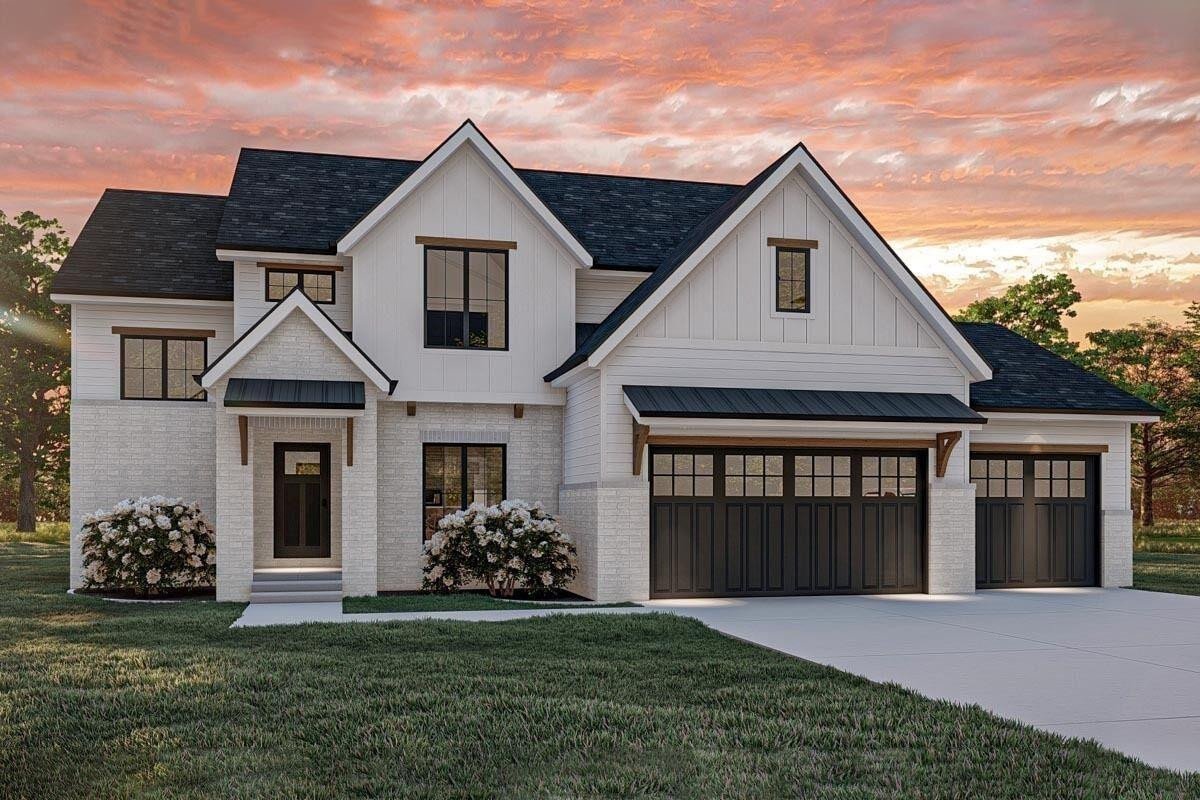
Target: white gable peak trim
(851, 219)
(295, 301)
(466, 135)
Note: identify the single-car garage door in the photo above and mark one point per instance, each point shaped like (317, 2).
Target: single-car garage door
(739, 522)
(1035, 520)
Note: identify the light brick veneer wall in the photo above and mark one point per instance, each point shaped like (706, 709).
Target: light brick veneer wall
(130, 448)
(610, 524)
(1116, 547)
(951, 537)
(533, 469)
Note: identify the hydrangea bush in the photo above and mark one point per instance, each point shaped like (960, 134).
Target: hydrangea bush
(148, 545)
(505, 547)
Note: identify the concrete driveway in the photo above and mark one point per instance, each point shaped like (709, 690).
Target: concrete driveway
(1116, 665)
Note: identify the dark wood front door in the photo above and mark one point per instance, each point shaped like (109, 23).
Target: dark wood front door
(1035, 520)
(742, 522)
(301, 500)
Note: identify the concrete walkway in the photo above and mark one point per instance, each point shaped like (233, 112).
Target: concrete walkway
(260, 614)
(1116, 665)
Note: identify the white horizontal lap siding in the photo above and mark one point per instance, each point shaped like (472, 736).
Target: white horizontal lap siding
(598, 292)
(581, 431)
(465, 199)
(96, 350)
(250, 297)
(1114, 488)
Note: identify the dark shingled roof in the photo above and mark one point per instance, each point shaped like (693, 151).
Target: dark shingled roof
(287, 393)
(305, 202)
(798, 404)
(1028, 377)
(149, 244)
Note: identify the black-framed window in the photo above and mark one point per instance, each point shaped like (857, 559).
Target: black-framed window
(792, 279)
(457, 475)
(466, 298)
(319, 285)
(162, 367)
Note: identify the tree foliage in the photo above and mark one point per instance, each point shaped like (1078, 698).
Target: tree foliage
(1034, 309)
(35, 355)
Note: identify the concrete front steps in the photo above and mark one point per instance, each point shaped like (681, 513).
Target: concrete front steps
(300, 585)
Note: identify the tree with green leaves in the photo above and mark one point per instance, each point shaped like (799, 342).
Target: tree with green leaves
(1034, 309)
(1157, 362)
(35, 359)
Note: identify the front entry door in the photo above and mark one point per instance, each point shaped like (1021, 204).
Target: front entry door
(301, 500)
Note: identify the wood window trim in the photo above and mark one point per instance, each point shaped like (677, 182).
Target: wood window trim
(448, 243)
(300, 273)
(172, 333)
(463, 447)
(1056, 449)
(466, 254)
(278, 265)
(815, 444)
(792, 244)
(200, 398)
(807, 251)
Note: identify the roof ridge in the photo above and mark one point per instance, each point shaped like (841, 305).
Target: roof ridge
(166, 192)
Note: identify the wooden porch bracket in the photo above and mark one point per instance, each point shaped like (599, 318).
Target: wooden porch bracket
(244, 436)
(945, 446)
(518, 410)
(411, 408)
(641, 437)
(349, 441)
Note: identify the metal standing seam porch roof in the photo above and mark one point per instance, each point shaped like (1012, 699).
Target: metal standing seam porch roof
(287, 393)
(798, 404)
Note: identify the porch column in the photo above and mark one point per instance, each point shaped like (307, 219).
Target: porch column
(235, 507)
(360, 484)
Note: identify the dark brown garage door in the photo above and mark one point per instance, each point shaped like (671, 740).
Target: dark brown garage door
(738, 522)
(1035, 520)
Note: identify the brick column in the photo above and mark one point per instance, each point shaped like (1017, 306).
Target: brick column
(609, 523)
(234, 518)
(1116, 547)
(360, 484)
(951, 534)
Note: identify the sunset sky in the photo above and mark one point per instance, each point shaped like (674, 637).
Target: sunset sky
(987, 141)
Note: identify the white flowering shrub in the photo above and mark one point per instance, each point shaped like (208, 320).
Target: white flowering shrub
(509, 546)
(148, 545)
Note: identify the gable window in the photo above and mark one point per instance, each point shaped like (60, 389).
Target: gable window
(161, 367)
(317, 284)
(457, 475)
(466, 298)
(792, 282)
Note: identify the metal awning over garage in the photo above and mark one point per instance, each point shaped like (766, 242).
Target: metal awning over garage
(285, 393)
(683, 402)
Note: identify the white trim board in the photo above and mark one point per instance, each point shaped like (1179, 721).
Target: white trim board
(264, 256)
(295, 301)
(71, 299)
(466, 135)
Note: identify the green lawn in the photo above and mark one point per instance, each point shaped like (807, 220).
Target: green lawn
(1167, 572)
(462, 601)
(1170, 536)
(46, 533)
(107, 700)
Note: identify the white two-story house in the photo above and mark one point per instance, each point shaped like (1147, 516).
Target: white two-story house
(719, 389)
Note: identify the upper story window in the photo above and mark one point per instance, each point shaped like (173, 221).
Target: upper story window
(792, 279)
(317, 284)
(161, 367)
(466, 298)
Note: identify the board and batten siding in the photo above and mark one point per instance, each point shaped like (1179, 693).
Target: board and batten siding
(465, 198)
(96, 350)
(1114, 465)
(719, 327)
(250, 301)
(598, 292)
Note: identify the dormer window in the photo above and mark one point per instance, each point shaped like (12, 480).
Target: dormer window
(466, 298)
(792, 279)
(317, 284)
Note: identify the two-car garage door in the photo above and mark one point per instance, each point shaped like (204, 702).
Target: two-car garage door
(738, 522)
